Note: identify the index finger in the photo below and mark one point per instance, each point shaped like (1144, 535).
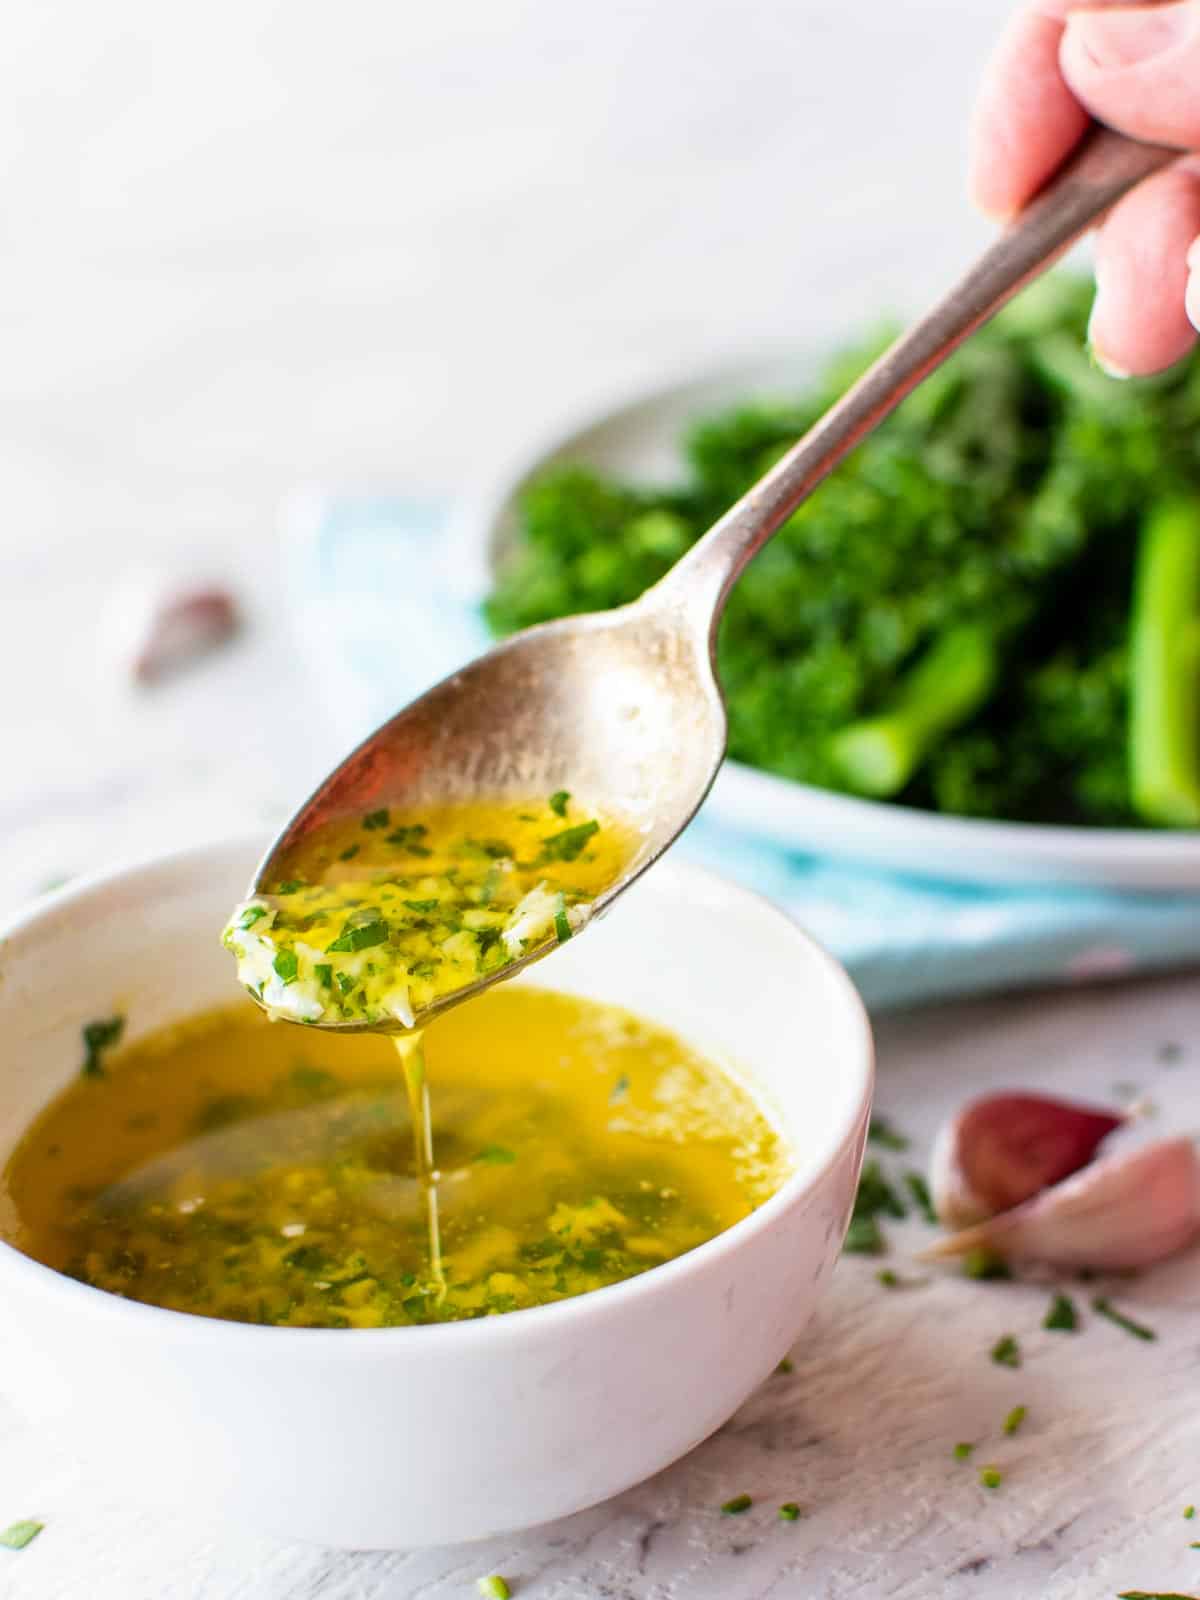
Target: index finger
(1026, 120)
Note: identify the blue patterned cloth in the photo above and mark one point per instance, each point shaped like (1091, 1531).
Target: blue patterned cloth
(389, 605)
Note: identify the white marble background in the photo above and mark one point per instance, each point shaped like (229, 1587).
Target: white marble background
(250, 245)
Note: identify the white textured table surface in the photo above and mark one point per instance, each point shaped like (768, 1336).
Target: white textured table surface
(251, 245)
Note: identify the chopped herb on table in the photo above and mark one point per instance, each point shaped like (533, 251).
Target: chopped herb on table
(1189, 1512)
(1061, 1316)
(1105, 1308)
(922, 1199)
(789, 1511)
(991, 1477)
(1015, 1418)
(985, 1264)
(18, 1534)
(99, 1037)
(888, 1278)
(735, 1507)
(962, 1450)
(1153, 1594)
(881, 1132)
(494, 1588)
(1006, 1352)
(785, 1366)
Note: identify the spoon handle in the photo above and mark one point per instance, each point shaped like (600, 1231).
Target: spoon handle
(1102, 169)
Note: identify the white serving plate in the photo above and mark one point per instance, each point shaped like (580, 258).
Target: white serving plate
(639, 438)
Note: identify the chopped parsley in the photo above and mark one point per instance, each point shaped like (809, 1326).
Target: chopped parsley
(735, 1507)
(620, 1090)
(962, 1450)
(323, 973)
(1188, 1513)
(1015, 1418)
(409, 839)
(99, 1037)
(881, 1132)
(562, 926)
(349, 853)
(922, 1199)
(789, 1511)
(569, 844)
(251, 915)
(375, 820)
(494, 1587)
(864, 1237)
(888, 1278)
(359, 936)
(1061, 1317)
(1105, 1308)
(18, 1534)
(559, 801)
(291, 886)
(287, 966)
(991, 1477)
(985, 1264)
(496, 1155)
(1006, 1352)
(786, 1365)
(422, 906)
(346, 982)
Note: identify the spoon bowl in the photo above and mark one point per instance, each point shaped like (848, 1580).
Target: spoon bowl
(621, 707)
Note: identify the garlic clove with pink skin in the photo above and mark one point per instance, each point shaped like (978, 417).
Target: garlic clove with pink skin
(1128, 1210)
(180, 625)
(1006, 1148)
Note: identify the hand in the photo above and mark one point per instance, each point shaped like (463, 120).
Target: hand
(1137, 68)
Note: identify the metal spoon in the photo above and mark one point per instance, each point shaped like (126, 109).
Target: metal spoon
(623, 707)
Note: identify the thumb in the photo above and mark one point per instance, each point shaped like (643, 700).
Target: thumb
(1138, 69)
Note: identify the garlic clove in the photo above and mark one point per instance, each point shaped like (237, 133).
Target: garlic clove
(1006, 1148)
(1128, 1210)
(160, 621)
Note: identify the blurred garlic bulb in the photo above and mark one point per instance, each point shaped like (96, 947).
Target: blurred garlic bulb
(1004, 1149)
(1129, 1210)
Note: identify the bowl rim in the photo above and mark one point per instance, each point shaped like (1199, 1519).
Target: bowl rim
(527, 1322)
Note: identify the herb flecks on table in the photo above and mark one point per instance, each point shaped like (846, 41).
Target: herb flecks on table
(374, 919)
(876, 1197)
(1104, 1307)
(18, 1534)
(1006, 1352)
(789, 1511)
(1015, 1418)
(494, 1587)
(736, 1506)
(1061, 1315)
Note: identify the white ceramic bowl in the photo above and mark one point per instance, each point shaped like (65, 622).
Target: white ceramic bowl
(639, 438)
(411, 1436)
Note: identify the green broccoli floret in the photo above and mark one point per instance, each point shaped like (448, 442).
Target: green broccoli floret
(946, 621)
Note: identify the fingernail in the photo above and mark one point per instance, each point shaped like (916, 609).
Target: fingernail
(1126, 38)
(1094, 350)
(1193, 255)
(1191, 300)
(1108, 368)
